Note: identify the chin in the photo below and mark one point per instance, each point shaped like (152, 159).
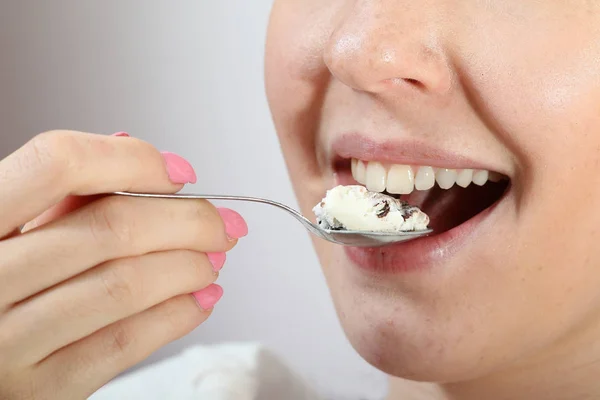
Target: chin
(436, 324)
(403, 338)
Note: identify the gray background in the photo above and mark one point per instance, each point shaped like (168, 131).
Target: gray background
(188, 77)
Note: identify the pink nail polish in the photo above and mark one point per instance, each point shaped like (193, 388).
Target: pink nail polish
(209, 296)
(235, 226)
(120, 134)
(179, 169)
(217, 260)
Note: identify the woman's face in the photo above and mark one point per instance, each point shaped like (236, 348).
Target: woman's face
(509, 86)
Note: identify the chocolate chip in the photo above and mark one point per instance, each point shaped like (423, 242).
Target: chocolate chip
(385, 210)
(407, 213)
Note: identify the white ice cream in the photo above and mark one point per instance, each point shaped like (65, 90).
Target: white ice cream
(355, 208)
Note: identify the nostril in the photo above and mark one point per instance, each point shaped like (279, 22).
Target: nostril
(392, 83)
(410, 81)
(413, 82)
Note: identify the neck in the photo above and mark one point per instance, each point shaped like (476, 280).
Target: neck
(570, 369)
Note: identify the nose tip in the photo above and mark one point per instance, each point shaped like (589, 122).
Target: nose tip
(375, 56)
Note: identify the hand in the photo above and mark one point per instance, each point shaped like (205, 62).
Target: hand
(95, 283)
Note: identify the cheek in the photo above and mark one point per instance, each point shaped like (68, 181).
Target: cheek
(556, 140)
(551, 122)
(541, 94)
(296, 80)
(294, 69)
(538, 90)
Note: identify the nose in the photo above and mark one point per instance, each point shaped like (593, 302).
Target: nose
(381, 45)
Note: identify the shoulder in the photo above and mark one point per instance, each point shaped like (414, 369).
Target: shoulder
(245, 371)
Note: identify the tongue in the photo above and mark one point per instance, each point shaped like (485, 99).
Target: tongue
(449, 208)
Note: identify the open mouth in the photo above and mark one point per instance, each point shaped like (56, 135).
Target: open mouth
(449, 196)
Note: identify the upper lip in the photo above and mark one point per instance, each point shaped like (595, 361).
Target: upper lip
(405, 152)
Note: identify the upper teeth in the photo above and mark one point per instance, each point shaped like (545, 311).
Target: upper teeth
(404, 179)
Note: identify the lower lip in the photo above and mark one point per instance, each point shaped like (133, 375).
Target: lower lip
(423, 253)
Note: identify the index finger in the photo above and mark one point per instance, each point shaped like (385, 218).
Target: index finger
(57, 164)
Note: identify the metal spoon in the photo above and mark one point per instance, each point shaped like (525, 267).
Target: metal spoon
(343, 237)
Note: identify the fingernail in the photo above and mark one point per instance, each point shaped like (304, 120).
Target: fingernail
(179, 169)
(209, 296)
(217, 260)
(235, 226)
(120, 134)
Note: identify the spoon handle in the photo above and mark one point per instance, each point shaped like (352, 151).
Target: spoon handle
(305, 221)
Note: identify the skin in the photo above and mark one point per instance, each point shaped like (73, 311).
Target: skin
(512, 84)
(94, 284)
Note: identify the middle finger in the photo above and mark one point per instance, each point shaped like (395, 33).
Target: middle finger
(110, 228)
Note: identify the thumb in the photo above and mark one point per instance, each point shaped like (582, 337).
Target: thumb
(69, 204)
